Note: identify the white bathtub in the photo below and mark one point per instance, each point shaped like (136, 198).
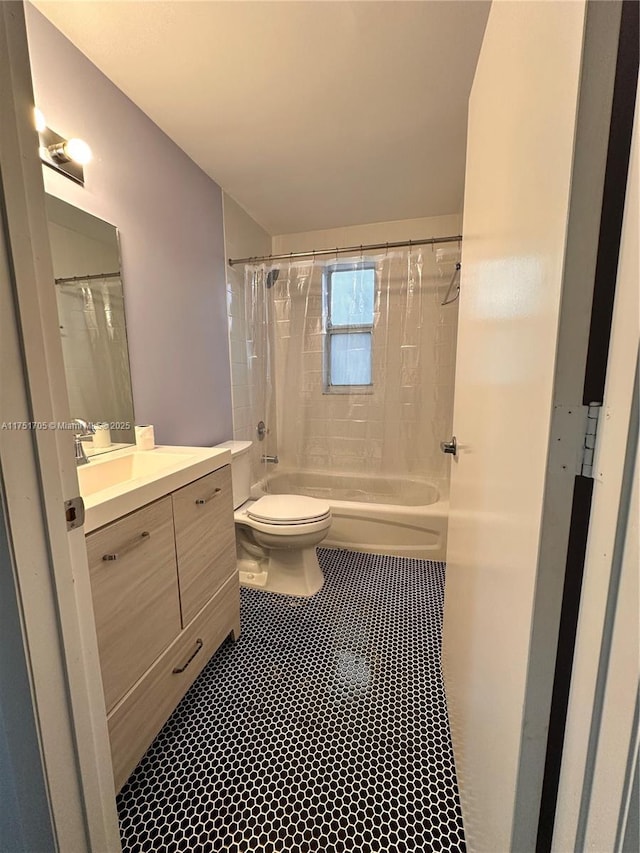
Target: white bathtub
(377, 515)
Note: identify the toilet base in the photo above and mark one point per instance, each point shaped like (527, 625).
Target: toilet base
(287, 572)
(253, 580)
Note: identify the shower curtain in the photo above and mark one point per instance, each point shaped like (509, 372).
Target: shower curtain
(94, 347)
(351, 367)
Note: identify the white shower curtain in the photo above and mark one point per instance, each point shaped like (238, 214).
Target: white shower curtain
(374, 322)
(96, 356)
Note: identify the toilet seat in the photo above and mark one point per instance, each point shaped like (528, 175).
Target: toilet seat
(246, 516)
(288, 510)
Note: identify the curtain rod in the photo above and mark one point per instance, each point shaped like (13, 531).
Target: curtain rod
(90, 277)
(345, 249)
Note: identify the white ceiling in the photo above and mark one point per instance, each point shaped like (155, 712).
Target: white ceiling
(310, 114)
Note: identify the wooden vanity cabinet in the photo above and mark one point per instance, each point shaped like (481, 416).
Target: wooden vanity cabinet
(166, 595)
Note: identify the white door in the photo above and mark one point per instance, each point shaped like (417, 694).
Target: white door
(55, 768)
(536, 154)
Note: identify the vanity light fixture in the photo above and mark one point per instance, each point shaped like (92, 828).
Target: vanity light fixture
(67, 156)
(75, 150)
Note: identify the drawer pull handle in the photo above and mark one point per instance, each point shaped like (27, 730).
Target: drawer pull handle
(203, 501)
(144, 537)
(199, 645)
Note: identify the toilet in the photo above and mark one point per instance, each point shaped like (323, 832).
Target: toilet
(276, 535)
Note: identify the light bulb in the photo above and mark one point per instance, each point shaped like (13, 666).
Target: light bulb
(78, 151)
(41, 124)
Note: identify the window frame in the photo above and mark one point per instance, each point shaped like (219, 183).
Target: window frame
(330, 330)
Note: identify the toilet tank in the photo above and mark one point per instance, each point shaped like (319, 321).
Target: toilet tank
(240, 470)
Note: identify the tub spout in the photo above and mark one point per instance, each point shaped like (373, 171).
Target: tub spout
(273, 459)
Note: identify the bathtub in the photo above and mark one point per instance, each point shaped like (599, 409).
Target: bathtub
(401, 517)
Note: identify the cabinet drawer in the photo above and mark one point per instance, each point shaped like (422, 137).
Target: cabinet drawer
(134, 587)
(205, 539)
(137, 719)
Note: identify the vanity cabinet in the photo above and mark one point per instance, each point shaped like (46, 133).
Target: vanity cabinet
(165, 594)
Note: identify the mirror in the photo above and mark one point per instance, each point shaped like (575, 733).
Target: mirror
(88, 282)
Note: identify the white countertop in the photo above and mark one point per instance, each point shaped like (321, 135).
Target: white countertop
(122, 481)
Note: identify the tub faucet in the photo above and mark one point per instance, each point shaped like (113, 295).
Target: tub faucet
(273, 459)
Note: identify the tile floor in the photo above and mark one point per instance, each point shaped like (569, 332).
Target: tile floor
(324, 728)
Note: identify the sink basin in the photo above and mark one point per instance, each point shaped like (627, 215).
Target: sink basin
(97, 476)
(128, 479)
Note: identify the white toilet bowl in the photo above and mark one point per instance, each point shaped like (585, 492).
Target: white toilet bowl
(276, 540)
(276, 535)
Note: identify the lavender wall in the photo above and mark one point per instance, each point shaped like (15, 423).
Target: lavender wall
(169, 214)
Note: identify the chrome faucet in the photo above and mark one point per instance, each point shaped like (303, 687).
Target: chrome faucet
(81, 456)
(86, 431)
(273, 459)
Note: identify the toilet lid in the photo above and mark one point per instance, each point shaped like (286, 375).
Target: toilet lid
(288, 509)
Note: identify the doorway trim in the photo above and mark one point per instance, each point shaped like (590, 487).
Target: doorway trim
(48, 572)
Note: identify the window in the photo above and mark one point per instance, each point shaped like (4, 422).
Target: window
(349, 295)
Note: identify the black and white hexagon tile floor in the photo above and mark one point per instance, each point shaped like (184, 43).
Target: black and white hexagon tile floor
(324, 728)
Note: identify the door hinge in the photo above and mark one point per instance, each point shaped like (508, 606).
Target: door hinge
(585, 468)
(74, 513)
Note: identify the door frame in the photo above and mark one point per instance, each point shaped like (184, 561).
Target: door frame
(47, 585)
(588, 372)
(601, 743)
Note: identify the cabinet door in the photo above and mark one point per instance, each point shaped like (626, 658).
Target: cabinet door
(134, 587)
(138, 718)
(205, 539)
